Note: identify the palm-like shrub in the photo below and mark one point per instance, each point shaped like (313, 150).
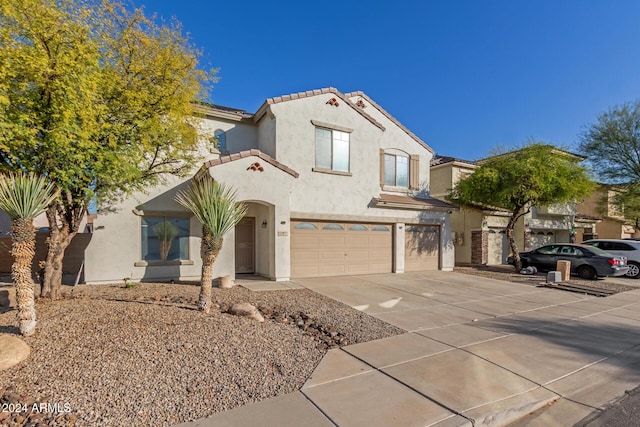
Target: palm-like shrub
(215, 206)
(23, 198)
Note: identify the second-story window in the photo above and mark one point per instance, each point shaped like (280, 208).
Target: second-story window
(396, 170)
(332, 150)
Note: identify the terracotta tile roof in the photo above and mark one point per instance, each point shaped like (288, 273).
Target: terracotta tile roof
(390, 117)
(393, 200)
(441, 160)
(248, 153)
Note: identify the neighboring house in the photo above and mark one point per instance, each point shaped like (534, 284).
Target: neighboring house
(479, 234)
(612, 223)
(335, 186)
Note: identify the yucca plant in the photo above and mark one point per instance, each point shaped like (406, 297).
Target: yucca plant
(215, 206)
(23, 198)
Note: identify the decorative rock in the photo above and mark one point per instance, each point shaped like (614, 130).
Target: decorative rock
(225, 282)
(247, 310)
(12, 351)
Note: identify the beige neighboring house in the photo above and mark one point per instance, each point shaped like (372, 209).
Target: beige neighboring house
(479, 235)
(335, 186)
(612, 224)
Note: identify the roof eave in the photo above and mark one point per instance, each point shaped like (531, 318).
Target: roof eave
(390, 117)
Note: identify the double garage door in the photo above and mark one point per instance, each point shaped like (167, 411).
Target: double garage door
(322, 248)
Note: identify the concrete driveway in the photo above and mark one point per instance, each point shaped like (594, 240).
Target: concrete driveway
(476, 349)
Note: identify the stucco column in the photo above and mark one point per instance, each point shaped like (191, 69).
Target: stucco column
(282, 246)
(398, 247)
(447, 251)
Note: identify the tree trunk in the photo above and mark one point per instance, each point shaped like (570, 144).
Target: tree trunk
(23, 249)
(209, 250)
(512, 241)
(59, 239)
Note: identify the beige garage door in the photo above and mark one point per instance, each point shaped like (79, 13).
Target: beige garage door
(320, 248)
(422, 247)
(498, 247)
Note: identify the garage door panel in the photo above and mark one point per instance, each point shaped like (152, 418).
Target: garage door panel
(354, 249)
(332, 270)
(331, 256)
(303, 255)
(306, 241)
(359, 242)
(422, 247)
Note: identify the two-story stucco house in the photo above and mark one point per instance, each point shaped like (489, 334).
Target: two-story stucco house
(334, 184)
(479, 235)
(612, 224)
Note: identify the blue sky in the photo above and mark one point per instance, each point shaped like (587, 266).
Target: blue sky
(465, 76)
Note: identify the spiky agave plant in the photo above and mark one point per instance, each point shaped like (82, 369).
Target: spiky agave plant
(216, 207)
(23, 198)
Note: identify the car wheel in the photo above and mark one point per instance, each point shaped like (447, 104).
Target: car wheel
(634, 270)
(586, 272)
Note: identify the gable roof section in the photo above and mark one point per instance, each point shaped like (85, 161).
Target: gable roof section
(390, 117)
(248, 153)
(284, 98)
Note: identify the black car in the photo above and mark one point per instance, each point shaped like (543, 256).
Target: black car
(587, 262)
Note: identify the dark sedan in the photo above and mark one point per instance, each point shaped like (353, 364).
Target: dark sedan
(587, 262)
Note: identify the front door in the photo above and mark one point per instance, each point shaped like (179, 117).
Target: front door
(245, 236)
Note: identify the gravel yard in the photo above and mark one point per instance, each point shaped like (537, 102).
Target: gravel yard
(111, 356)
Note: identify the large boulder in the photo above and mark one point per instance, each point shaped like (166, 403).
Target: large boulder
(247, 310)
(12, 351)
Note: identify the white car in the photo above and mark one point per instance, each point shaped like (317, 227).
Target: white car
(627, 248)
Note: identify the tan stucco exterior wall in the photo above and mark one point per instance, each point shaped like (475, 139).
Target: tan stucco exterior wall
(115, 247)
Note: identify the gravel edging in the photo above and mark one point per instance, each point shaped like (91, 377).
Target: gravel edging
(144, 356)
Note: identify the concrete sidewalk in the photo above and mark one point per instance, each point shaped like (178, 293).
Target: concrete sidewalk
(475, 349)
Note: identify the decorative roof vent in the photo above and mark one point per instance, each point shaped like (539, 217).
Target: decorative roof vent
(256, 166)
(360, 103)
(333, 102)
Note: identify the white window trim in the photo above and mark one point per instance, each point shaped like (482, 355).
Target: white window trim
(331, 128)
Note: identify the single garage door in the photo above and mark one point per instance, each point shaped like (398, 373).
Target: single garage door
(422, 247)
(498, 247)
(322, 248)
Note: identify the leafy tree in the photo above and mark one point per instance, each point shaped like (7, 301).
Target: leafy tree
(98, 99)
(23, 198)
(612, 146)
(215, 206)
(536, 175)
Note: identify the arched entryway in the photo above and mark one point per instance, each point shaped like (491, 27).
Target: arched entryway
(254, 240)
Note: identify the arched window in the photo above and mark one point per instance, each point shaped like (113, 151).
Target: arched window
(305, 226)
(333, 227)
(357, 227)
(221, 139)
